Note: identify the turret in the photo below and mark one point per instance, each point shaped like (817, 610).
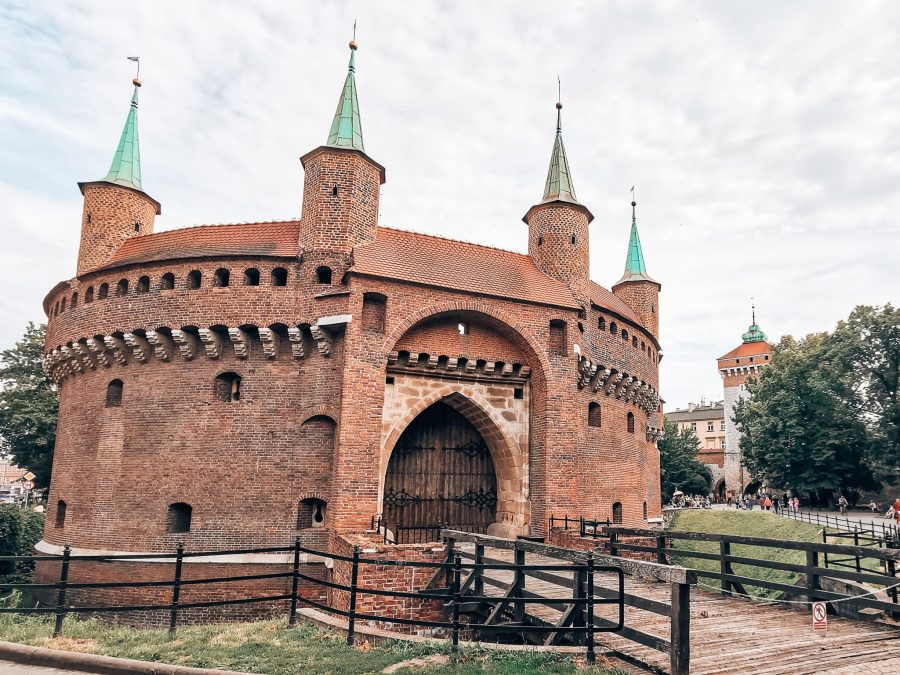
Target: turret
(342, 184)
(636, 287)
(116, 207)
(558, 239)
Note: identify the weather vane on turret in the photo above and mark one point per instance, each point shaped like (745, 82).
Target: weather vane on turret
(137, 76)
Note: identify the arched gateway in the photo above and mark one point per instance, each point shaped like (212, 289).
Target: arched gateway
(441, 471)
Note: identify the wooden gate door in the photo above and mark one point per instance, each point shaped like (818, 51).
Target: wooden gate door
(441, 471)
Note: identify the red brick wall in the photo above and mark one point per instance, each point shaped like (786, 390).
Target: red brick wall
(113, 211)
(550, 231)
(643, 297)
(388, 577)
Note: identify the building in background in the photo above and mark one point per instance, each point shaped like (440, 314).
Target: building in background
(10, 473)
(707, 421)
(736, 367)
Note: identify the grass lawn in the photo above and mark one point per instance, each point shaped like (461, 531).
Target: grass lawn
(748, 524)
(271, 647)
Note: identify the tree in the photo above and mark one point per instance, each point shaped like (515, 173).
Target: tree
(678, 464)
(866, 350)
(28, 406)
(796, 432)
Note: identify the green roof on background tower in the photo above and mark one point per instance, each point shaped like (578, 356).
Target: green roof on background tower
(559, 179)
(635, 267)
(126, 165)
(346, 128)
(754, 332)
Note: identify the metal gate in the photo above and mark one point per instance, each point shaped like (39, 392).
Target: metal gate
(441, 471)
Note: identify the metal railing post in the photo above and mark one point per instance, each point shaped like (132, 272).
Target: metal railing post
(825, 541)
(351, 610)
(519, 606)
(613, 539)
(856, 543)
(567, 521)
(448, 580)
(457, 580)
(176, 589)
(61, 592)
(661, 549)
(295, 578)
(591, 655)
(892, 593)
(478, 586)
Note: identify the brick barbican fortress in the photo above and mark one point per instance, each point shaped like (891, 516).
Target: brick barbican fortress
(242, 385)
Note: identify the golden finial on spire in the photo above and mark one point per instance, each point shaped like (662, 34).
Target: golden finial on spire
(353, 44)
(137, 77)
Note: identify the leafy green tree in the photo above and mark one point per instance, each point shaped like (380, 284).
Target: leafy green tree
(28, 406)
(678, 464)
(866, 351)
(796, 432)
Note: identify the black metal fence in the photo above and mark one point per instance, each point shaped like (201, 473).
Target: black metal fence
(887, 531)
(400, 533)
(586, 527)
(455, 594)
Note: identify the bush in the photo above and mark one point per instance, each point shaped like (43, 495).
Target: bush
(20, 530)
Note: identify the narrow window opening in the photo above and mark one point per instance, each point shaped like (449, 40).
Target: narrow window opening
(137, 226)
(114, 393)
(194, 279)
(279, 276)
(334, 191)
(122, 287)
(178, 517)
(75, 303)
(630, 423)
(601, 323)
(62, 305)
(573, 240)
(88, 218)
(323, 275)
(89, 295)
(634, 341)
(221, 278)
(594, 415)
(167, 282)
(103, 292)
(251, 277)
(518, 393)
(617, 513)
(645, 510)
(389, 380)
(227, 387)
(61, 513)
(625, 335)
(143, 285)
(558, 337)
(311, 513)
(613, 328)
(540, 241)
(462, 328)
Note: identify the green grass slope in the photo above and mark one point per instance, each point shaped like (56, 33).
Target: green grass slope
(747, 524)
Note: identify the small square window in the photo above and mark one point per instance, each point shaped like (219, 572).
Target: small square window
(462, 328)
(389, 380)
(518, 393)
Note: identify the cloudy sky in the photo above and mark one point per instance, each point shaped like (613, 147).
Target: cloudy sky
(763, 137)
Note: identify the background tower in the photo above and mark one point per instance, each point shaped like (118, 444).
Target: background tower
(116, 207)
(636, 287)
(558, 239)
(341, 187)
(736, 367)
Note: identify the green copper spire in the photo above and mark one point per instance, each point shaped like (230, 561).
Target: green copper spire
(559, 178)
(754, 333)
(126, 165)
(635, 267)
(346, 129)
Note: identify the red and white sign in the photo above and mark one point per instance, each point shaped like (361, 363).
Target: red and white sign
(28, 486)
(820, 616)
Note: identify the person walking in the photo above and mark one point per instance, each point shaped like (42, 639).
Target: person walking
(897, 510)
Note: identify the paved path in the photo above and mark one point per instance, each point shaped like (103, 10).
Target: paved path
(9, 668)
(735, 636)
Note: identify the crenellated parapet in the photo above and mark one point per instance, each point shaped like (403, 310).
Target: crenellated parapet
(458, 366)
(623, 386)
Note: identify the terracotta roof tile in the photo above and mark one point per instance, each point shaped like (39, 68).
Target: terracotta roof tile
(448, 263)
(748, 349)
(604, 298)
(252, 239)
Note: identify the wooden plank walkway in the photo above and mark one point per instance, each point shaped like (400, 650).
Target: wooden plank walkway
(729, 634)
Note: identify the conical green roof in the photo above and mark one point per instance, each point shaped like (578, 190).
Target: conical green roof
(635, 267)
(559, 178)
(346, 128)
(126, 165)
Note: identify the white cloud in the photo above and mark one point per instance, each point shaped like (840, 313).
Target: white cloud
(764, 137)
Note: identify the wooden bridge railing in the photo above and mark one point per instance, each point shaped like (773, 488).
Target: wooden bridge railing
(812, 571)
(679, 578)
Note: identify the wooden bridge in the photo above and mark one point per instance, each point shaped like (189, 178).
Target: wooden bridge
(670, 624)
